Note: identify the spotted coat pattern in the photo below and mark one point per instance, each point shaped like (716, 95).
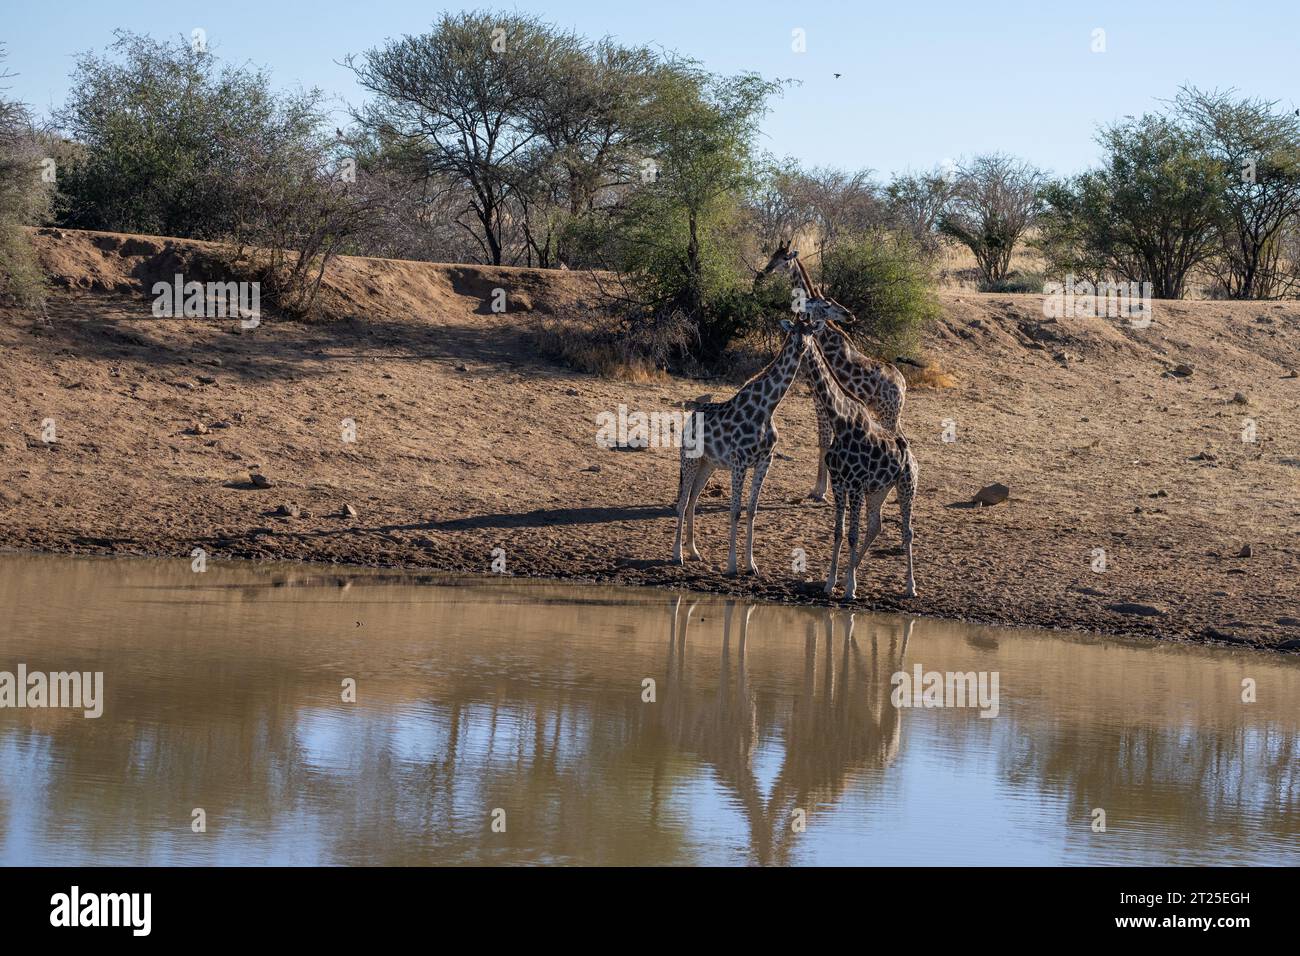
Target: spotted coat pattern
(878, 385)
(737, 435)
(865, 462)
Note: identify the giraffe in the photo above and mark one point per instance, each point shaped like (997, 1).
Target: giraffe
(878, 385)
(865, 460)
(737, 435)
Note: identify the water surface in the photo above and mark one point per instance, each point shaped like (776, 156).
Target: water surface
(526, 701)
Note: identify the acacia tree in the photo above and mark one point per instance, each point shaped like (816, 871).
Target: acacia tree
(1257, 147)
(1150, 213)
(994, 200)
(780, 205)
(291, 226)
(171, 141)
(842, 204)
(916, 203)
(411, 218)
(827, 203)
(594, 123)
(167, 133)
(677, 237)
(464, 99)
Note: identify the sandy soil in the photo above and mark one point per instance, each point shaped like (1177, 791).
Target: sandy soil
(468, 440)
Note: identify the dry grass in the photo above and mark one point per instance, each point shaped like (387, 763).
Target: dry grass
(956, 270)
(594, 350)
(932, 377)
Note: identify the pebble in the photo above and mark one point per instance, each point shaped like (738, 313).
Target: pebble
(1142, 610)
(992, 494)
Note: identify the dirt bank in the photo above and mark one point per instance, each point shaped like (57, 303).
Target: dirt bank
(468, 440)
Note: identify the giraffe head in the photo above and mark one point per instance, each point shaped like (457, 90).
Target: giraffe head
(828, 314)
(799, 333)
(782, 259)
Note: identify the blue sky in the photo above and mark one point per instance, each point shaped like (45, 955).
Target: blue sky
(922, 82)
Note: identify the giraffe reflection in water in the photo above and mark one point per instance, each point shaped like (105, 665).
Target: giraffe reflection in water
(222, 691)
(838, 723)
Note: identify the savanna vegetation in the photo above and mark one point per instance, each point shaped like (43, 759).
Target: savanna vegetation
(25, 199)
(502, 139)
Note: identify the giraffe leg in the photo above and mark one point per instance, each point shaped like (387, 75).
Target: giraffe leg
(905, 491)
(737, 492)
(875, 502)
(685, 485)
(818, 492)
(760, 472)
(835, 545)
(851, 564)
(702, 473)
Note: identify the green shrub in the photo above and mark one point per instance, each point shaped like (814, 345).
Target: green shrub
(1149, 213)
(24, 201)
(883, 278)
(22, 282)
(1016, 282)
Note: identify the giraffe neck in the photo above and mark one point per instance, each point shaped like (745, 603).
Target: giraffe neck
(768, 387)
(828, 392)
(836, 348)
(803, 280)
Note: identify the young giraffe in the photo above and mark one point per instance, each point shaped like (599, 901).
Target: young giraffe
(737, 435)
(865, 461)
(878, 385)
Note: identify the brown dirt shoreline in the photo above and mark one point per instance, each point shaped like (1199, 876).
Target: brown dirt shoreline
(469, 440)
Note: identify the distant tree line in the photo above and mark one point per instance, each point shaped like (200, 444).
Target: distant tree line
(499, 138)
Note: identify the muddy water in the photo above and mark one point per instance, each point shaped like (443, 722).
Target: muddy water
(771, 737)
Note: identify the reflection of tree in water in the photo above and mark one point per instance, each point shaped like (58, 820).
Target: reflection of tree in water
(840, 722)
(586, 770)
(1214, 786)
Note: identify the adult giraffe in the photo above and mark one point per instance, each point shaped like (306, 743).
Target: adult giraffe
(866, 462)
(738, 435)
(878, 385)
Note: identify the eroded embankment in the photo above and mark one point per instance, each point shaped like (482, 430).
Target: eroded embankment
(467, 440)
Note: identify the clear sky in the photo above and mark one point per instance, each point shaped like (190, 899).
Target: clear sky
(921, 83)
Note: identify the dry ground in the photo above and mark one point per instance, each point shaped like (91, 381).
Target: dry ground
(468, 439)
